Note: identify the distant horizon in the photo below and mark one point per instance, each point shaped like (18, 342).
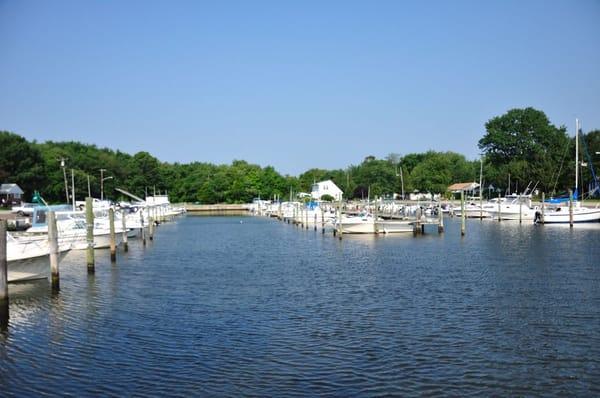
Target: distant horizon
(292, 86)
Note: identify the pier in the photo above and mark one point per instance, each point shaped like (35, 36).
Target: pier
(231, 209)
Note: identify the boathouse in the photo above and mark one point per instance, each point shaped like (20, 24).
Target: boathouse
(10, 194)
(326, 187)
(464, 187)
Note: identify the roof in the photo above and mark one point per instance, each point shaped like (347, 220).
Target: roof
(326, 182)
(463, 186)
(10, 189)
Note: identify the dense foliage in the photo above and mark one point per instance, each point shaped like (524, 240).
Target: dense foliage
(521, 143)
(524, 144)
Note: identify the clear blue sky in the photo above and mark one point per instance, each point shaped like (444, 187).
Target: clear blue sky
(292, 84)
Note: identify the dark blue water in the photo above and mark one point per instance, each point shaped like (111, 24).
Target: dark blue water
(215, 307)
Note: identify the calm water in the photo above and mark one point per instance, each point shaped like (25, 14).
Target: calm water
(219, 307)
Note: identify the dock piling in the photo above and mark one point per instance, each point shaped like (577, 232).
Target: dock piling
(3, 277)
(463, 224)
(113, 238)
(53, 245)
(151, 224)
(520, 210)
(142, 229)
(124, 226)
(570, 208)
(89, 222)
(499, 208)
(441, 219)
(322, 221)
(340, 231)
(543, 206)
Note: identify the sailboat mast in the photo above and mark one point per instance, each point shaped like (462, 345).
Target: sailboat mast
(576, 155)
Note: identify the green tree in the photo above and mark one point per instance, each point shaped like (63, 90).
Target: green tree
(145, 174)
(438, 170)
(525, 144)
(21, 163)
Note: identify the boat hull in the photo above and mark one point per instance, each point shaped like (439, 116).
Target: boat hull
(393, 227)
(561, 215)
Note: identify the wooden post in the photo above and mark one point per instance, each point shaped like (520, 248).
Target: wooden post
(340, 231)
(124, 226)
(480, 203)
(499, 208)
(322, 221)
(441, 219)
(571, 208)
(53, 245)
(294, 214)
(543, 206)
(463, 225)
(151, 224)
(520, 210)
(113, 238)
(375, 226)
(89, 222)
(3, 277)
(142, 230)
(306, 217)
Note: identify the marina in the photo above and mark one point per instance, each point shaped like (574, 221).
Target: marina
(249, 306)
(300, 199)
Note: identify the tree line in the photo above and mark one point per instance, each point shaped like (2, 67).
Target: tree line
(522, 144)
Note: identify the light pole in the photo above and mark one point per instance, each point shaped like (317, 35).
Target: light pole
(63, 166)
(401, 178)
(102, 179)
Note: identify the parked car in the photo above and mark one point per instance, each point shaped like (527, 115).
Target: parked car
(25, 209)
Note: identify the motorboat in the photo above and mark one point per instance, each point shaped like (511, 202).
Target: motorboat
(472, 210)
(28, 258)
(514, 207)
(367, 223)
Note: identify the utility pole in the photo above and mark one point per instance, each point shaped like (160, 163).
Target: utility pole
(102, 183)
(63, 165)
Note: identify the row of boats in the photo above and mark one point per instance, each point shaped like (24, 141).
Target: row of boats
(354, 219)
(28, 251)
(394, 217)
(521, 207)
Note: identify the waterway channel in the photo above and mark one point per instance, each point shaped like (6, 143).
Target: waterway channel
(243, 306)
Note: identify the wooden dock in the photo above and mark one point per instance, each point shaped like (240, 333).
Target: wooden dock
(217, 208)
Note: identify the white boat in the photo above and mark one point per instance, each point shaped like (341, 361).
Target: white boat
(29, 258)
(472, 210)
(362, 223)
(71, 227)
(561, 212)
(366, 223)
(513, 207)
(395, 226)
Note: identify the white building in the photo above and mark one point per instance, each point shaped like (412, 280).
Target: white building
(326, 188)
(10, 193)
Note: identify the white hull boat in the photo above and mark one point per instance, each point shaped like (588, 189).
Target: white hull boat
(519, 208)
(471, 211)
(560, 214)
(367, 224)
(29, 259)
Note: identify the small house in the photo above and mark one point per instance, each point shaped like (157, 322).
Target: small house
(327, 187)
(10, 194)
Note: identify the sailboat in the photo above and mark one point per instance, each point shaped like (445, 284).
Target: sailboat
(579, 213)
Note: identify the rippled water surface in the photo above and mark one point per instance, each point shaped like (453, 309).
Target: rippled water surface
(233, 306)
